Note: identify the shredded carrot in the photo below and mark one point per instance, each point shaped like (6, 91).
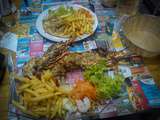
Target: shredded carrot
(83, 89)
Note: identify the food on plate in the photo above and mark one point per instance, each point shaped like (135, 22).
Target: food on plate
(54, 53)
(106, 86)
(60, 61)
(44, 92)
(67, 21)
(83, 105)
(41, 97)
(69, 105)
(83, 89)
(62, 64)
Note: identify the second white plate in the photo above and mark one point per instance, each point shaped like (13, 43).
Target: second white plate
(44, 15)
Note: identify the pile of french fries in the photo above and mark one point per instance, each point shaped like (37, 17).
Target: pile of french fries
(80, 23)
(40, 97)
(71, 25)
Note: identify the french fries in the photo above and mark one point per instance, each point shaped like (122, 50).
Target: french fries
(74, 24)
(40, 97)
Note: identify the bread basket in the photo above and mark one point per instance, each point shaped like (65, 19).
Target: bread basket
(142, 35)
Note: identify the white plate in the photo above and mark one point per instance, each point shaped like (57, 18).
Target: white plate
(43, 15)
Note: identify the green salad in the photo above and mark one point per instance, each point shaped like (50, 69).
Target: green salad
(106, 86)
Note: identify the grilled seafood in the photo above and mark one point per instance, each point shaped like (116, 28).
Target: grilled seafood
(68, 61)
(53, 54)
(59, 60)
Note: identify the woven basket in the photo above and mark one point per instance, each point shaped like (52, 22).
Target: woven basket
(142, 33)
